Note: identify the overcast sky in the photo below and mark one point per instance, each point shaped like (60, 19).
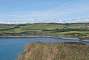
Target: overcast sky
(28, 11)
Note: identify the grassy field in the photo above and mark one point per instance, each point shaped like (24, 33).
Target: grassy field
(55, 52)
(53, 29)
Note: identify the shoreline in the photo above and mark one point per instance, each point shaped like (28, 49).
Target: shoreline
(56, 37)
(23, 36)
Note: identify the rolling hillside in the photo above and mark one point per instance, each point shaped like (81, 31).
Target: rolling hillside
(53, 29)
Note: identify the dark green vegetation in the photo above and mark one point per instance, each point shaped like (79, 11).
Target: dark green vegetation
(55, 52)
(49, 29)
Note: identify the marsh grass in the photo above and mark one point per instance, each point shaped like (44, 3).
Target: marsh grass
(56, 52)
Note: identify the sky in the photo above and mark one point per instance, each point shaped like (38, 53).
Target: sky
(44, 11)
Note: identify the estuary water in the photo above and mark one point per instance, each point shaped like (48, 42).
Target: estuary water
(10, 48)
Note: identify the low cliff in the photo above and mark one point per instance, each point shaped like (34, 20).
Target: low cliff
(55, 52)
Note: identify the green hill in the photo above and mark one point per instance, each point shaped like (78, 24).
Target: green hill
(53, 29)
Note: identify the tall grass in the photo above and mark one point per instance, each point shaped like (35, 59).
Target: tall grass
(56, 52)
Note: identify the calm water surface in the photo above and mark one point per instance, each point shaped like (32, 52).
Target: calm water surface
(10, 48)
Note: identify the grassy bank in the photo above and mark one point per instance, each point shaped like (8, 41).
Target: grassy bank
(49, 29)
(55, 52)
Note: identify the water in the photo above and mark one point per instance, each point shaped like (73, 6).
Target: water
(10, 48)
